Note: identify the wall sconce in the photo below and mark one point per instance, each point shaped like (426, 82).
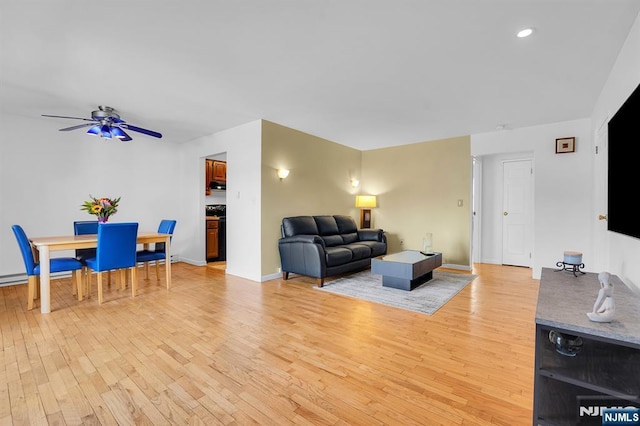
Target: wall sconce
(366, 203)
(282, 173)
(355, 183)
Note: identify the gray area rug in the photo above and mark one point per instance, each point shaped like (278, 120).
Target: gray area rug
(427, 298)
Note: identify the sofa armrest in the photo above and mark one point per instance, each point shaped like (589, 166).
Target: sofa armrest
(303, 254)
(312, 239)
(371, 235)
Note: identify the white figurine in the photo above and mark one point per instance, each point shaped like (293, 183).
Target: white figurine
(604, 308)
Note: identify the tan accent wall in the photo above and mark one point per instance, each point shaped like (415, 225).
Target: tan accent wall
(418, 188)
(318, 182)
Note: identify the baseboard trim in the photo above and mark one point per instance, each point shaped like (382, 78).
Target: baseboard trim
(191, 261)
(270, 277)
(15, 279)
(458, 267)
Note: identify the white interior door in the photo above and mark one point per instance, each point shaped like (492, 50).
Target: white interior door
(517, 213)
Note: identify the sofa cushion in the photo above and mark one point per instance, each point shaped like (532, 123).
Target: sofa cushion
(350, 238)
(338, 255)
(377, 248)
(359, 251)
(346, 224)
(327, 225)
(299, 225)
(332, 240)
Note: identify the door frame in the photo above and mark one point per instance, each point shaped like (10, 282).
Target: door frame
(601, 234)
(476, 210)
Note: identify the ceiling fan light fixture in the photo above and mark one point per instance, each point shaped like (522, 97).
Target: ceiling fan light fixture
(105, 132)
(106, 123)
(118, 133)
(95, 130)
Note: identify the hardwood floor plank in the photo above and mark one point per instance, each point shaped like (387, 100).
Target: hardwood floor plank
(317, 411)
(5, 403)
(218, 349)
(19, 408)
(215, 404)
(92, 391)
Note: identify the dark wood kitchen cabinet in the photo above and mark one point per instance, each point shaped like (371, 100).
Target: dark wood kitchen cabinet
(219, 171)
(208, 175)
(212, 239)
(214, 171)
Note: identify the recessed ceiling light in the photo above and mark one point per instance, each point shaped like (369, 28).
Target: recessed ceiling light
(525, 33)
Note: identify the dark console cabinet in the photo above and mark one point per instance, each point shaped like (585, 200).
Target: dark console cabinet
(605, 371)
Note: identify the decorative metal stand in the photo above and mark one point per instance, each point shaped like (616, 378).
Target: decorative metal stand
(571, 267)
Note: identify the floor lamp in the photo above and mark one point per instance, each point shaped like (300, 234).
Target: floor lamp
(365, 203)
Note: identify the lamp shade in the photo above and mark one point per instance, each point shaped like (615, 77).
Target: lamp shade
(366, 201)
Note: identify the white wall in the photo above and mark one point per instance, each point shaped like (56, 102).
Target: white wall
(562, 190)
(624, 252)
(242, 146)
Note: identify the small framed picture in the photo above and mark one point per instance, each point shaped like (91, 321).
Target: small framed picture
(565, 145)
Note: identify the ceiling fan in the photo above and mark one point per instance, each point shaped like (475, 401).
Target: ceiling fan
(106, 123)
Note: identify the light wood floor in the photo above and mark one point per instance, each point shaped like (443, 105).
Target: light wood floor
(218, 349)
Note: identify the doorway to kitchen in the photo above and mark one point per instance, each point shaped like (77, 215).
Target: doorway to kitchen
(215, 209)
(216, 219)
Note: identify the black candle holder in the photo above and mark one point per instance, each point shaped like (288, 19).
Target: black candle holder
(571, 267)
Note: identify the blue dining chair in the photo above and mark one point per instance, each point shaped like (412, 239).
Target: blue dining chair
(60, 264)
(84, 227)
(159, 252)
(116, 250)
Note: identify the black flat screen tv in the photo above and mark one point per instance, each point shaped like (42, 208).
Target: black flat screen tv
(623, 185)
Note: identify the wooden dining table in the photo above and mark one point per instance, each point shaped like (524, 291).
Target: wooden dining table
(46, 245)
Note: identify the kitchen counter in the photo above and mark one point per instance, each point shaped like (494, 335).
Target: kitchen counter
(564, 300)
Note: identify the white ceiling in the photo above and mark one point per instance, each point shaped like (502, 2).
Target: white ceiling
(363, 73)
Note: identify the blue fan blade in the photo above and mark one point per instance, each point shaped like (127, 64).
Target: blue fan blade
(62, 116)
(141, 130)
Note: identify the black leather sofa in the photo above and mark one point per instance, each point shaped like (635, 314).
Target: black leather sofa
(322, 246)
